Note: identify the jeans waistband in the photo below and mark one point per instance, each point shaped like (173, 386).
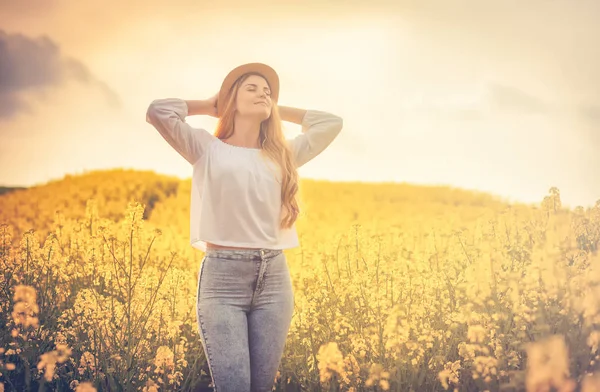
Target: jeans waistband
(243, 254)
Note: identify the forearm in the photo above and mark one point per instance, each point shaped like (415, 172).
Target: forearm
(199, 107)
(319, 129)
(290, 114)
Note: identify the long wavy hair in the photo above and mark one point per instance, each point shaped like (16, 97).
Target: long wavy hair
(273, 146)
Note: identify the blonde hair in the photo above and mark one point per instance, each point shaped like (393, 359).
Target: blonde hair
(274, 147)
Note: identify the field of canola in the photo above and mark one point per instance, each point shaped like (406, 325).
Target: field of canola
(397, 288)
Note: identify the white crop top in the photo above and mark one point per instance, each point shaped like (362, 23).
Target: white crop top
(236, 194)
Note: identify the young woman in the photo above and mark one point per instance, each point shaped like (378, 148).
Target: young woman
(243, 213)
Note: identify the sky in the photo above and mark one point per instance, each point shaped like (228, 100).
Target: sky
(498, 96)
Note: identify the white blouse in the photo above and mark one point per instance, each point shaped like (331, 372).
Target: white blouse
(236, 193)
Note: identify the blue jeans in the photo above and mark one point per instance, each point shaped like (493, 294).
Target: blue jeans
(244, 310)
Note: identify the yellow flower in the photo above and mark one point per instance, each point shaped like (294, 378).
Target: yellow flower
(85, 386)
(164, 359)
(330, 361)
(25, 307)
(377, 373)
(150, 386)
(49, 360)
(548, 365)
(476, 333)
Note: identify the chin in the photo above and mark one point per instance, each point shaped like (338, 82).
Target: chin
(264, 114)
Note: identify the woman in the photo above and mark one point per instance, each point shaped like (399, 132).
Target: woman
(243, 213)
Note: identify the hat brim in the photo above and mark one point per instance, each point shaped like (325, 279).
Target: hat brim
(263, 69)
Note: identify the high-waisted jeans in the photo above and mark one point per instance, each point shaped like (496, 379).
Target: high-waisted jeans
(244, 310)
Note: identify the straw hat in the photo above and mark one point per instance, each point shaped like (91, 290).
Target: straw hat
(263, 69)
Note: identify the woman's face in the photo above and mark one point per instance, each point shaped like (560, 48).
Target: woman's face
(254, 98)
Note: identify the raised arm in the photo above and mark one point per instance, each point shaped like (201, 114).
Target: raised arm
(319, 129)
(168, 115)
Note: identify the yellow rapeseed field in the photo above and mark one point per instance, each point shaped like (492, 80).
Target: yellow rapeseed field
(397, 288)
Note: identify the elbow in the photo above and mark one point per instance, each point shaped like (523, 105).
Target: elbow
(166, 109)
(152, 112)
(338, 124)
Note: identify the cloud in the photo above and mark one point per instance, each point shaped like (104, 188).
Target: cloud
(589, 116)
(38, 7)
(514, 99)
(591, 113)
(475, 103)
(31, 65)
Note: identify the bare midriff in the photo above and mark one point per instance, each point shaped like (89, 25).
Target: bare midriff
(210, 245)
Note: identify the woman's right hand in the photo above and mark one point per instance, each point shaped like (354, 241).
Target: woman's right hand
(203, 106)
(212, 104)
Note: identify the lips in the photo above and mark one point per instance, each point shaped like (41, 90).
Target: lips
(263, 103)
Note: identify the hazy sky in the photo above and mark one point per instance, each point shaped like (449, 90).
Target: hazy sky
(500, 96)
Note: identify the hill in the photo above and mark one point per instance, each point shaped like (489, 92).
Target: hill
(166, 199)
(401, 286)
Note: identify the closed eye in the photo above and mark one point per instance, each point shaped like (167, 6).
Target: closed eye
(253, 86)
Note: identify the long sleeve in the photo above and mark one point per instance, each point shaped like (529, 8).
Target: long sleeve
(319, 129)
(168, 115)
